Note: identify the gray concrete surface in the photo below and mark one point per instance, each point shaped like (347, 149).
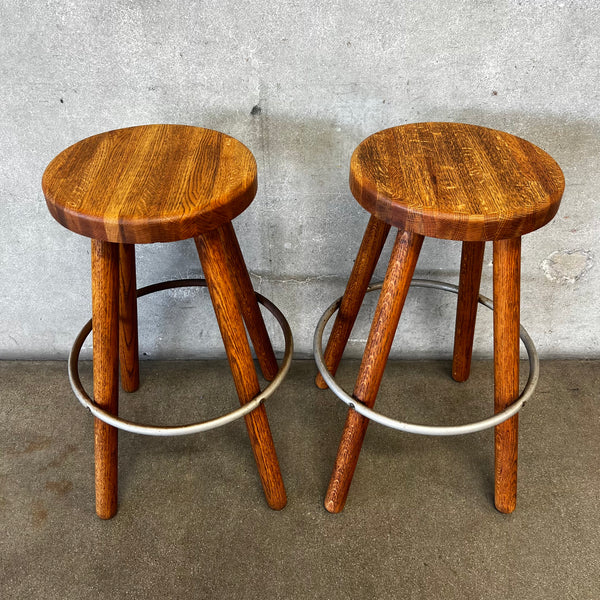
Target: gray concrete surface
(193, 523)
(301, 84)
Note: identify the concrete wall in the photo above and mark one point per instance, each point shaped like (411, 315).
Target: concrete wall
(301, 84)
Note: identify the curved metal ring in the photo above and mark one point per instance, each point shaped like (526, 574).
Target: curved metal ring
(172, 430)
(507, 413)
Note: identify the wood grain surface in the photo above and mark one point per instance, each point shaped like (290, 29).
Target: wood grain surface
(360, 277)
(471, 265)
(248, 303)
(456, 181)
(213, 257)
(153, 183)
(105, 323)
(507, 278)
(385, 321)
(128, 323)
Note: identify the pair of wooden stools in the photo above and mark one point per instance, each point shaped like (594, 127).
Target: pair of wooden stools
(162, 183)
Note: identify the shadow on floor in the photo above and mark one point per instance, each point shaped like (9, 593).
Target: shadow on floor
(192, 521)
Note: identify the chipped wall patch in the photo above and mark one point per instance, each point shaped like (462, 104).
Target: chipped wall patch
(567, 266)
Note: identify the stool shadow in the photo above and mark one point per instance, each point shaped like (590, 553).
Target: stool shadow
(304, 227)
(304, 202)
(281, 233)
(174, 393)
(424, 392)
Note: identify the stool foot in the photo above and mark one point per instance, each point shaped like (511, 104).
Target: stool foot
(385, 321)
(507, 278)
(360, 277)
(105, 320)
(213, 257)
(248, 304)
(466, 309)
(128, 326)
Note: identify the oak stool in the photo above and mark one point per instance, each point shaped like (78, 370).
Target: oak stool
(456, 182)
(162, 183)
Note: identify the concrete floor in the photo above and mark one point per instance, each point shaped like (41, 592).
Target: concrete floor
(193, 523)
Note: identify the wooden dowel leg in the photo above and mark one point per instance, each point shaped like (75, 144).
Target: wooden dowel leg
(360, 277)
(128, 326)
(507, 282)
(105, 321)
(471, 265)
(385, 321)
(248, 304)
(214, 263)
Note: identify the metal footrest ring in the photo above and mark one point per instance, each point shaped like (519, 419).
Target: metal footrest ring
(360, 408)
(174, 430)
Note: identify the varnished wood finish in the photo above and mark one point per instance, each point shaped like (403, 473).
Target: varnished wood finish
(213, 257)
(248, 304)
(471, 265)
(461, 182)
(161, 183)
(153, 183)
(360, 277)
(507, 278)
(128, 325)
(456, 181)
(385, 321)
(105, 322)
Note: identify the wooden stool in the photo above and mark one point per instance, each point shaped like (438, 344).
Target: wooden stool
(457, 182)
(162, 183)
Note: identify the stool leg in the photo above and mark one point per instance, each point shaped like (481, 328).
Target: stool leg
(128, 326)
(248, 304)
(360, 277)
(105, 322)
(222, 291)
(471, 265)
(507, 281)
(385, 321)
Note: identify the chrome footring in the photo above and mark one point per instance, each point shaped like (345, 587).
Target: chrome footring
(88, 403)
(534, 367)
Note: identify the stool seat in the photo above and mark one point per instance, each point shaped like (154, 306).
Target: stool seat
(152, 183)
(456, 181)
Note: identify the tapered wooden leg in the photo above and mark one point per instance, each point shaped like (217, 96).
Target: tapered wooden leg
(128, 326)
(222, 291)
(248, 304)
(360, 277)
(466, 310)
(385, 321)
(105, 322)
(507, 282)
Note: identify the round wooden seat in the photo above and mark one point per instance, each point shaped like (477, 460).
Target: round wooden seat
(153, 183)
(456, 181)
